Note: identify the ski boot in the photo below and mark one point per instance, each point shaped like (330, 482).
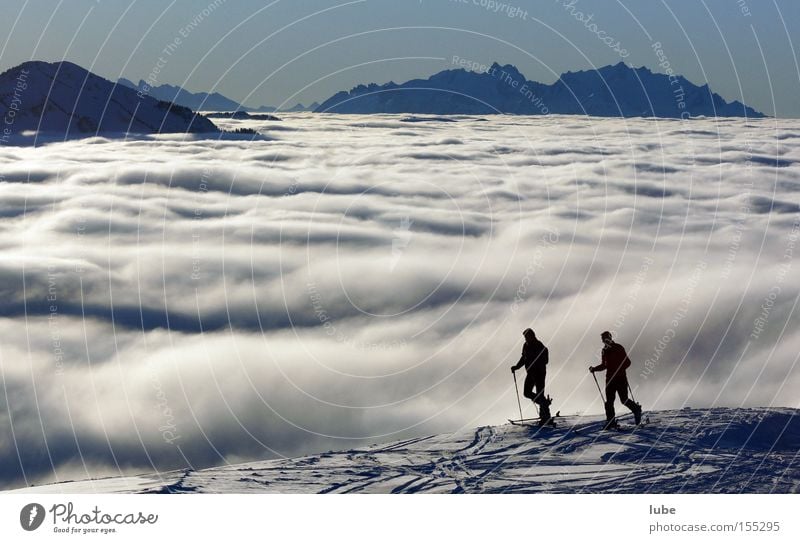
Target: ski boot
(611, 424)
(637, 413)
(544, 412)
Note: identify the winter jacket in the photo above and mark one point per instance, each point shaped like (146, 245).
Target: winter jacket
(615, 361)
(534, 356)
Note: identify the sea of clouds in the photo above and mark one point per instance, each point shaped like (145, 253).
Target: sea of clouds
(171, 301)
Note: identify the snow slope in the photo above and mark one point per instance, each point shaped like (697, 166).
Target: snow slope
(716, 450)
(62, 98)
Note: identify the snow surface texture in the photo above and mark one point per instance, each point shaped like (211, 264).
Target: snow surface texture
(687, 451)
(173, 302)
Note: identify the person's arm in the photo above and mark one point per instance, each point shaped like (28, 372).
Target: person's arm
(521, 362)
(626, 362)
(601, 366)
(545, 356)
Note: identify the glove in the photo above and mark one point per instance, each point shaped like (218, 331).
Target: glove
(513, 369)
(591, 369)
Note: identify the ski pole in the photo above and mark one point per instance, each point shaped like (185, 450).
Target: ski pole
(517, 389)
(598, 388)
(631, 391)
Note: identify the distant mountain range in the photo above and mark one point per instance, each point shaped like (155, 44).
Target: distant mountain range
(63, 99)
(203, 101)
(242, 116)
(198, 101)
(611, 91)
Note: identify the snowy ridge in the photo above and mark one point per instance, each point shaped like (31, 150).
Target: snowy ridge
(716, 450)
(64, 99)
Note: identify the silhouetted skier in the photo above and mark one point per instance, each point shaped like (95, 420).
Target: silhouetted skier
(615, 361)
(535, 357)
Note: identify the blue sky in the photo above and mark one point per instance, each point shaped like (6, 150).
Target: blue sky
(288, 51)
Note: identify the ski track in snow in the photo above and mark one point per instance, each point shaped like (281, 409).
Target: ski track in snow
(688, 451)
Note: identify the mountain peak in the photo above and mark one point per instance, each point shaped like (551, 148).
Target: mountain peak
(617, 90)
(64, 99)
(197, 101)
(508, 70)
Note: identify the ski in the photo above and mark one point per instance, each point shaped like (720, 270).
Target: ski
(535, 422)
(531, 422)
(629, 427)
(623, 429)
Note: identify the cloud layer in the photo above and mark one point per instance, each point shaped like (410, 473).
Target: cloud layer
(172, 301)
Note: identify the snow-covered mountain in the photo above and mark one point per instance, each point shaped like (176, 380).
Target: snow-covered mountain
(611, 91)
(688, 451)
(63, 99)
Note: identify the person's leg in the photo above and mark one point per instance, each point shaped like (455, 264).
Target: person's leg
(622, 390)
(635, 408)
(527, 387)
(541, 398)
(538, 381)
(611, 391)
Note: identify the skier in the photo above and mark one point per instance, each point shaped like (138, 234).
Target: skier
(615, 361)
(535, 357)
